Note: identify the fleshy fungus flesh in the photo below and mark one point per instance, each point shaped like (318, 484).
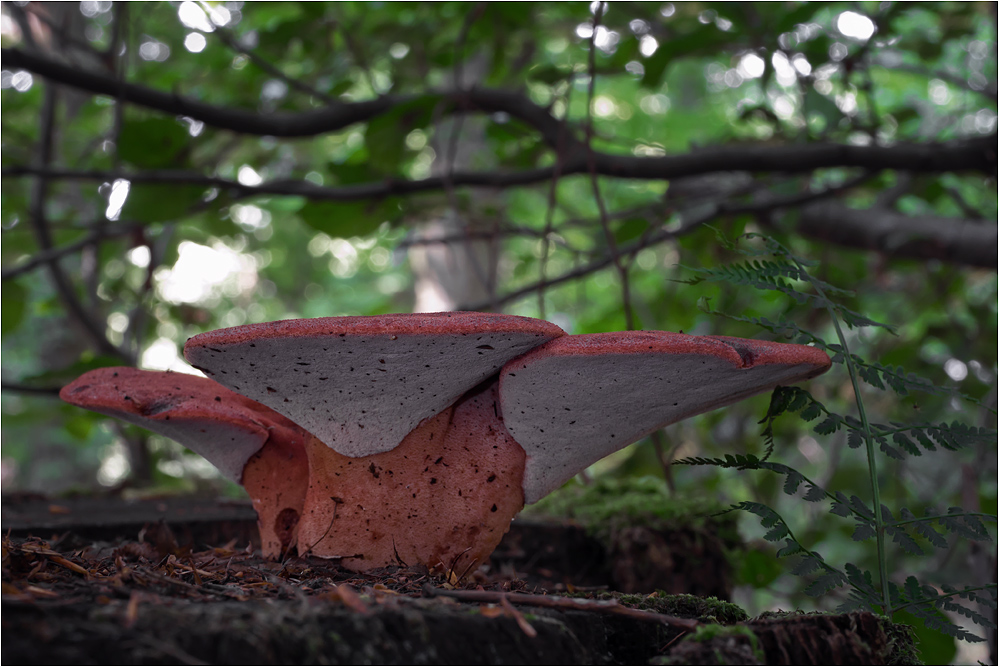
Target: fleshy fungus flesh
(415, 439)
(444, 497)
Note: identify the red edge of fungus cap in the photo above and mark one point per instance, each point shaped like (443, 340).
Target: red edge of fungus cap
(220, 425)
(361, 384)
(576, 399)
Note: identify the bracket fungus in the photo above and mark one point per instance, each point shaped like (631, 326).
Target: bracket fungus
(405, 439)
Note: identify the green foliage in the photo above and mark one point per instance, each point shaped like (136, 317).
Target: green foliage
(13, 303)
(863, 589)
(153, 142)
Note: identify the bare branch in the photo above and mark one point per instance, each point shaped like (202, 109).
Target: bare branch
(55, 253)
(972, 242)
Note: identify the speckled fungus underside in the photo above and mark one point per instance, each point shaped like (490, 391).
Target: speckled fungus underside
(361, 384)
(249, 443)
(576, 399)
(406, 439)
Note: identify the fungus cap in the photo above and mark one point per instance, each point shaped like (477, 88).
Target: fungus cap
(576, 399)
(361, 384)
(220, 425)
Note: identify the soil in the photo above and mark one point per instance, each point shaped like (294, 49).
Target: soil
(178, 581)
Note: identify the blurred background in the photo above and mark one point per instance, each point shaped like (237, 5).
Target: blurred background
(173, 168)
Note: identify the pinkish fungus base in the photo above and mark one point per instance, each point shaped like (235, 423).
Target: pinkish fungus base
(443, 498)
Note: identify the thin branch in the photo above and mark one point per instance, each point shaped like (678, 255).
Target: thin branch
(28, 389)
(469, 235)
(953, 79)
(39, 196)
(364, 191)
(591, 164)
(302, 124)
(550, 209)
(687, 225)
(459, 45)
(227, 38)
(55, 253)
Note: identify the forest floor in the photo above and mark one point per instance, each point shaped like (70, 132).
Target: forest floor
(110, 581)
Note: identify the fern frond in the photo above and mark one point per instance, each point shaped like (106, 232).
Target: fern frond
(924, 528)
(861, 580)
(737, 461)
(964, 524)
(827, 581)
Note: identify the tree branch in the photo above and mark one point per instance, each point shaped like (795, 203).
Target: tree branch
(976, 154)
(54, 253)
(972, 242)
(14, 387)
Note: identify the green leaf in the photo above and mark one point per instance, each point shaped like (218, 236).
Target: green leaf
(706, 38)
(758, 569)
(805, 565)
(385, 136)
(817, 103)
(151, 202)
(863, 531)
(903, 539)
(630, 229)
(789, 19)
(549, 73)
(348, 219)
(13, 301)
(153, 143)
(826, 582)
(80, 425)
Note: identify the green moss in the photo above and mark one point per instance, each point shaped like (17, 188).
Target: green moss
(707, 633)
(901, 644)
(645, 501)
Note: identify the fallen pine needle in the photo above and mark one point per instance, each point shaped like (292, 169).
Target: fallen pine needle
(69, 565)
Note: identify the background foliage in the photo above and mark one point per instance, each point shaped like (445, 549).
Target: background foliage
(173, 168)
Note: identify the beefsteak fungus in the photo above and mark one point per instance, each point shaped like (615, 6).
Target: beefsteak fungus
(404, 439)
